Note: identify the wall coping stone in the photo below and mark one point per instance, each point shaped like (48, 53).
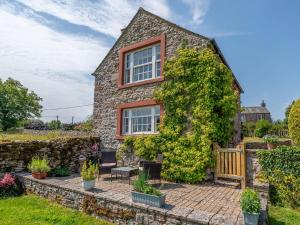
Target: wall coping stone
(185, 215)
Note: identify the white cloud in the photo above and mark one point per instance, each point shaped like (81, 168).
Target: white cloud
(106, 16)
(198, 9)
(56, 66)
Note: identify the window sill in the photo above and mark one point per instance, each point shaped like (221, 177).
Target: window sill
(150, 81)
(122, 137)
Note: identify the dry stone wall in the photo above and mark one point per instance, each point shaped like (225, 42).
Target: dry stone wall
(16, 155)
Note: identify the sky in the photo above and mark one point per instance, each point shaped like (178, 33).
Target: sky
(53, 46)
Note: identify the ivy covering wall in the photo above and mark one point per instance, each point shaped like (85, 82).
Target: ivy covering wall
(199, 106)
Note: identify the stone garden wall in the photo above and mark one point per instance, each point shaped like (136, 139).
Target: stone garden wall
(262, 145)
(253, 171)
(16, 155)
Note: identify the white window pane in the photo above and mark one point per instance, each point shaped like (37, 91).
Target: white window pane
(143, 56)
(157, 51)
(156, 123)
(157, 110)
(157, 69)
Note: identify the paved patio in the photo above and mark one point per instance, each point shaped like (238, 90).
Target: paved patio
(205, 203)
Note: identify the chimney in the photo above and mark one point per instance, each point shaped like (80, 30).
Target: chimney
(263, 104)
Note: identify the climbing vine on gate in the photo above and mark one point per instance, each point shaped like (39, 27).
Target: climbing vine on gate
(199, 106)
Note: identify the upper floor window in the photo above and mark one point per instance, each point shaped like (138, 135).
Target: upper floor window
(142, 64)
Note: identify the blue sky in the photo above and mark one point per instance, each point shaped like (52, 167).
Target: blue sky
(52, 46)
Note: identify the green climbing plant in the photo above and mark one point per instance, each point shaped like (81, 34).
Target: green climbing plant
(199, 106)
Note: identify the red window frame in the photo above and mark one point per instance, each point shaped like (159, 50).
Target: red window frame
(158, 39)
(144, 103)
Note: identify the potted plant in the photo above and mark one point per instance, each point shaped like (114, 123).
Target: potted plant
(250, 204)
(89, 173)
(144, 193)
(272, 141)
(39, 167)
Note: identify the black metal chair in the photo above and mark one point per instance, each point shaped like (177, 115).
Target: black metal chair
(108, 161)
(153, 168)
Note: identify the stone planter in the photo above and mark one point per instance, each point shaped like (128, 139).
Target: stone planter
(271, 146)
(153, 200)
(88, 184)
(251, 218)
(39, 175)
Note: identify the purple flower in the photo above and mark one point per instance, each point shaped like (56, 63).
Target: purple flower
(95, 147)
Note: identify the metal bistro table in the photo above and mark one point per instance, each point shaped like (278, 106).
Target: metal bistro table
(126, 172)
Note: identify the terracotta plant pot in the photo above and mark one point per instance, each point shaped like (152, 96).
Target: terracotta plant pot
(272, 146)
(39, 175)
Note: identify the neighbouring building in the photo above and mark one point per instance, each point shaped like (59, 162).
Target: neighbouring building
(255, 113)
(132, 69)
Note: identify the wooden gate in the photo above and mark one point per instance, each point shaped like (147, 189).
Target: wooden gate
(231, 164)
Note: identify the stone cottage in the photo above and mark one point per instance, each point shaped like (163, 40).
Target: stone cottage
(127, 76)
(255, 113)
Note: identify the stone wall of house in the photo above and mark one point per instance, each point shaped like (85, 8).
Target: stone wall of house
(106, 94)
(16, 155)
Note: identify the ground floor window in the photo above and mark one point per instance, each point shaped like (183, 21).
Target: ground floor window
(141, 120)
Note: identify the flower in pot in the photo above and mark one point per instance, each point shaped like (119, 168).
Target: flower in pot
(250, 204)
(144, 193)
(39, 167)
(272, 141)
(89, 173)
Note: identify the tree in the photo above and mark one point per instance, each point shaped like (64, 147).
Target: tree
(294, 122)
(35, 124)
(262, 127)
(287, 111)
(17, 104)
(54, 125)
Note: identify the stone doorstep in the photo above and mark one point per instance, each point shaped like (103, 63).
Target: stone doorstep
(182, 214)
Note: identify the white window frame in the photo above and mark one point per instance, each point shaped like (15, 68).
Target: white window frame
(129, 110)
(153, 63)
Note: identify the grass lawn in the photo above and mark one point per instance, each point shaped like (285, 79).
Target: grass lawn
(283, 216)
(8, 137)
(30, 209)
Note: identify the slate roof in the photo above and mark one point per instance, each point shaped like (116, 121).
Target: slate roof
(255, 109)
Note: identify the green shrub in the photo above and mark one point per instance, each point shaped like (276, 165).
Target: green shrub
(250, 202)
(61, 171)
(89, 172)
(294, 122)
(54, 125)
(262, 128)
(142, 185)
(271, 139)
(39, 165)
(248, 129)
(281, 166)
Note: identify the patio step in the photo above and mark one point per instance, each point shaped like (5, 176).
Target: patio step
(233, 184)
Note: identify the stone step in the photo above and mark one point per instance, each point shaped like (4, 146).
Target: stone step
(234, 184)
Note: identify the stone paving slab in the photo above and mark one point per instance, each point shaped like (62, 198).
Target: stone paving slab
(205, 203)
